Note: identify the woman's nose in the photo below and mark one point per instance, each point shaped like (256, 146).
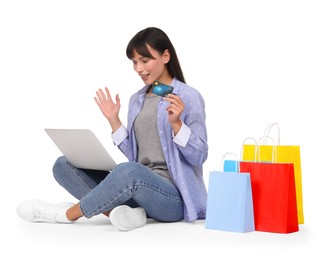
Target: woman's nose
(138, 67)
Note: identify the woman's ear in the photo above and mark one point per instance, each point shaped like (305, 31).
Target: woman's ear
(166, 56)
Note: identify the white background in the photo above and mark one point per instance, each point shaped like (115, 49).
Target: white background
(255, 62)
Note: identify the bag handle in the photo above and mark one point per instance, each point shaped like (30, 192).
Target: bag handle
(236, 160)
(257, 154)
(268, 129)
(274, 151)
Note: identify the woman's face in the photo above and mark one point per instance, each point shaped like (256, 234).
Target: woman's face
(150, 69)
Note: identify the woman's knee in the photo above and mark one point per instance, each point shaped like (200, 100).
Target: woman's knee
(58, 168)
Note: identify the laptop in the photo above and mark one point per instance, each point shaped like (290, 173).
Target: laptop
(82, 148)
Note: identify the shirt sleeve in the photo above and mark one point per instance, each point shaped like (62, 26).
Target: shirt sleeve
(119, 135)
(182, 137)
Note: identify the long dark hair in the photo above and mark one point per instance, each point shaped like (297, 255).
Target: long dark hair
(160, 42)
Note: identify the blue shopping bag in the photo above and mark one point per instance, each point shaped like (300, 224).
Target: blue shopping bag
(229, 202)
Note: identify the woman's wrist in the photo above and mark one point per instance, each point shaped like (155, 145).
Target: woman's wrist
(115, 124)
(176, 126)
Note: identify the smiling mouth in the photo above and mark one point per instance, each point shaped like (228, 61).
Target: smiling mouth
(144, 76)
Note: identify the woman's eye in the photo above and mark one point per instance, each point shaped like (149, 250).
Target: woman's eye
(145, 60)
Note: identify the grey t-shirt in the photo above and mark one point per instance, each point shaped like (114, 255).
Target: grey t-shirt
(150, 151)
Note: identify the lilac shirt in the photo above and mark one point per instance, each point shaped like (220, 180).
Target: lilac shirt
(184, 153)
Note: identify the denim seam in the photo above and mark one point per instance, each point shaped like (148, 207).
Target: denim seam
(77, 174)
(82, 211)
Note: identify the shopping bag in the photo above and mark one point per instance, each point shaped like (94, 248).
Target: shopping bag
(274, 197)
(229, 202)
(274, 194)
(285, 154)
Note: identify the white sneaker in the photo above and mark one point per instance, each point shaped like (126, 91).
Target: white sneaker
(126, 218)
(41, 211)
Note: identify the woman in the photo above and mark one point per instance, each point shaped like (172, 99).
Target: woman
(165, 142)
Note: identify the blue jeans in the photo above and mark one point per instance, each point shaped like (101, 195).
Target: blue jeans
(129, 183)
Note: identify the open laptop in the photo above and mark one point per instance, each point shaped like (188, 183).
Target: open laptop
(82, 148)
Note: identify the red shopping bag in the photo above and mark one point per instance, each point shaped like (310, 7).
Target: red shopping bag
(274, 196)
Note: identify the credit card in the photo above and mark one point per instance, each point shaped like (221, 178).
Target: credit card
(161, 89)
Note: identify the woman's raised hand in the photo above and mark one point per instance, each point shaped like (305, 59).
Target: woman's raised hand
(109, 109)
